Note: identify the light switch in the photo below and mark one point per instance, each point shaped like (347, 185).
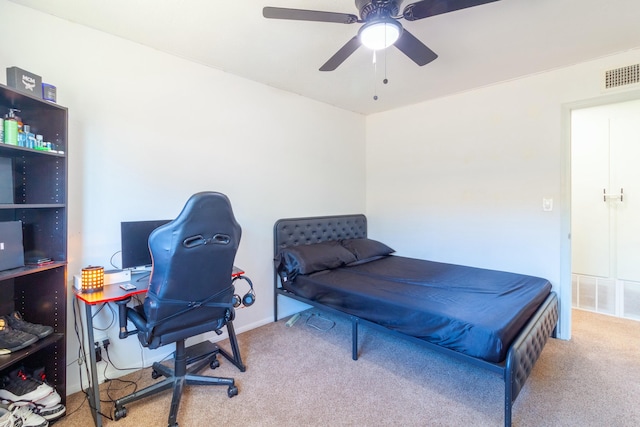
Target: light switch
(547, 205)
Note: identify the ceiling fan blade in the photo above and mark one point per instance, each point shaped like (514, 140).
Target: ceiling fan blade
(415, 49)
(427, 8)
(308, 15)
(342, 54)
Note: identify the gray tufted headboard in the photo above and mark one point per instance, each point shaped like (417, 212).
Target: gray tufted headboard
(302, 231)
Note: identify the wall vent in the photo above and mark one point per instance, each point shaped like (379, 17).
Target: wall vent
(622, 76)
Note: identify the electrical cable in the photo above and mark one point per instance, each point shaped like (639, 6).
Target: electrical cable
(111, 260)
(136, 368)
(111, 322)
(319, 327)
(144, 276)
(79, 331)
(81, 356)
(126, 383)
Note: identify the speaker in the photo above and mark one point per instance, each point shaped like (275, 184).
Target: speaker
(248, 299)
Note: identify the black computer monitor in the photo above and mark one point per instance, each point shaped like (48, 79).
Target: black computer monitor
(135, 242)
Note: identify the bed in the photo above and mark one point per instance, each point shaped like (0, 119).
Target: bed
(496, 320)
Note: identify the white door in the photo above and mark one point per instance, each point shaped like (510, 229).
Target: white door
(590, 233)
(624, 140)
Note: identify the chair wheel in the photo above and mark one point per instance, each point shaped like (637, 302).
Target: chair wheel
(155, 375)
(232, 391)
(120, 413)
(214, 364)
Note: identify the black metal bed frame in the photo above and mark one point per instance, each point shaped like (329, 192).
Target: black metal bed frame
(521, 356)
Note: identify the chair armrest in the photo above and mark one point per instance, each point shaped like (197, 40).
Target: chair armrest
(123, 318)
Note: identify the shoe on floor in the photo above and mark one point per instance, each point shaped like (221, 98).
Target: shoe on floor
(38, 376)
(19, 389)
(49, 413)
(6, 418)
(17, 322)
(12, 339)
(48, 401)
(28, 418)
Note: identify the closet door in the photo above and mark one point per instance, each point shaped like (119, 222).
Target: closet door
(590, 218)
(625, 177)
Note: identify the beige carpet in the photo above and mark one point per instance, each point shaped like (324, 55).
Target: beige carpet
(302, 376)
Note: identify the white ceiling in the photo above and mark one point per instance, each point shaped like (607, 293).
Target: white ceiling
(477, 46)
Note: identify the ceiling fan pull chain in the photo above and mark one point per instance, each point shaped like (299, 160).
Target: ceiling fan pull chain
(375, 77)
(385, 80)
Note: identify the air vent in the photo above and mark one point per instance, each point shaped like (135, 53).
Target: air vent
(622, 76)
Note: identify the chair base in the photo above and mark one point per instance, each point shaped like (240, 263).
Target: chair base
(184, 373)
(233, 340)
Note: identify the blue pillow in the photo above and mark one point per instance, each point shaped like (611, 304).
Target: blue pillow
(366, 250)
(307, 259)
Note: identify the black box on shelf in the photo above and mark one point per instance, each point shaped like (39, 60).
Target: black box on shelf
(6, 180)
(24, 81)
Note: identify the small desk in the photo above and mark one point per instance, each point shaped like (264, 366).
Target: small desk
(110, 293)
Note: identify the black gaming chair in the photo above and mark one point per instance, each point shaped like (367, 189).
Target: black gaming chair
(190, 292)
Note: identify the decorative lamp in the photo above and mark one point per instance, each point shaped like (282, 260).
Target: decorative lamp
(380, 34)
(92, 279)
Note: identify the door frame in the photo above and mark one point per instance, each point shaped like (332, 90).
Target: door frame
(566, 287)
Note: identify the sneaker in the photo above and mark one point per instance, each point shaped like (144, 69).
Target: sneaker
(17, 322)
(19, 389)
(6, 418)
(49, 413)
(48, 401)
(13, 340)
(27, 417)
(38, 374)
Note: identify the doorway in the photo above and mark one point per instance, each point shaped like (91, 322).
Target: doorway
(605, 208)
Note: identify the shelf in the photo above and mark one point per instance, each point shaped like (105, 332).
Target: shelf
(24, 101)
(14, 150)
(32, 206)
(29, 269)
(7, 360)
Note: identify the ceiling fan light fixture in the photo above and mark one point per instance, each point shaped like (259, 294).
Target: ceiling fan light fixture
(380, 34)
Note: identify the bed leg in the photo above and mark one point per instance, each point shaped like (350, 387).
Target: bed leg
(508, 389)
(354, 338)
(507, 413)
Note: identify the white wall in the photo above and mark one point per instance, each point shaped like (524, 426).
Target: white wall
(147, 130)
(461, 179)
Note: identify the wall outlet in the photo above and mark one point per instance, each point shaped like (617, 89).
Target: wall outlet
(98, 351)
(547, 205)
(99, 336)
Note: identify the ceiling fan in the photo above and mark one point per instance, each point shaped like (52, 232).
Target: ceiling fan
(381, 28)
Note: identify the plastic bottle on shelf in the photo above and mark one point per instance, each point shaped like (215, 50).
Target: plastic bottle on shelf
(11, 127)
(30, 138)
(22, 137)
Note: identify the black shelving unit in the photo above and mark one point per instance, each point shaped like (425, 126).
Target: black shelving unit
(40, 202)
